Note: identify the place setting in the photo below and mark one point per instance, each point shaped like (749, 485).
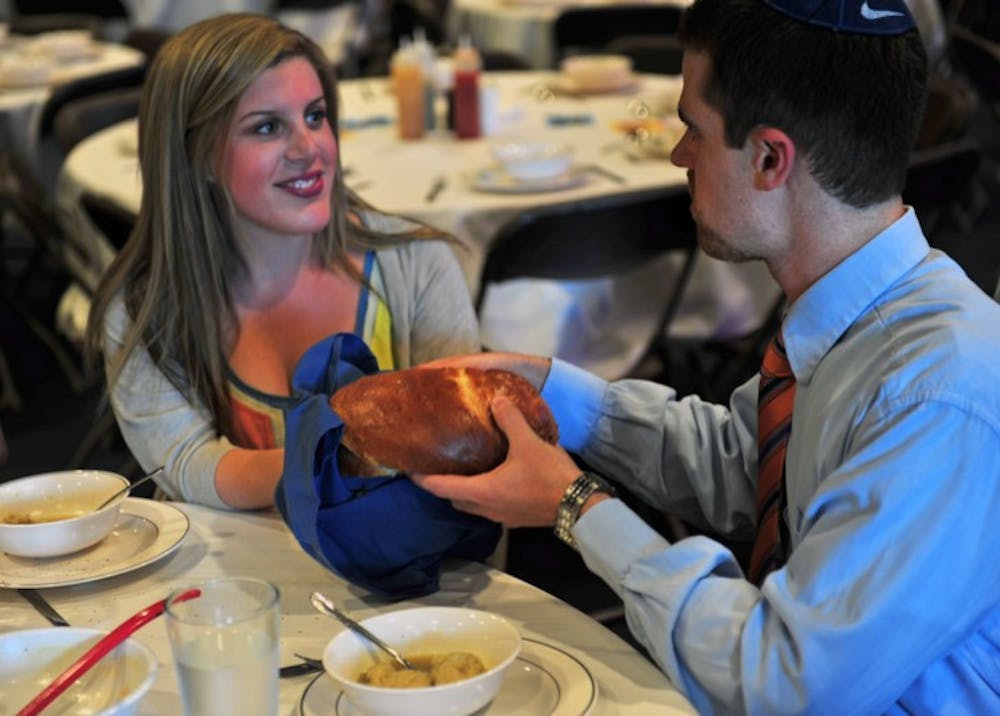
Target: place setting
(528, 167)
(584, 75)
(27, 63)
(464, 661)
(55, 531)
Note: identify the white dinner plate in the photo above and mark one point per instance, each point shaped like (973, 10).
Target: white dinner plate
(496, 180)
(146, 531)
(543, 680)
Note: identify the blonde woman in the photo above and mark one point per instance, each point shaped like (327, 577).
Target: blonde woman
(248, 249)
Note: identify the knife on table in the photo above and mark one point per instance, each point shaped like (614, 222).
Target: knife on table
(42, 606)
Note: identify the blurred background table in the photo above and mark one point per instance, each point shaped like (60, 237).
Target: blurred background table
(527, 27)
(20, 106)
(259, 545)
(597, 324)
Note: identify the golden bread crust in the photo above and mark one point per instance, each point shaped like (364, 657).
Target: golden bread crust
(433, 420)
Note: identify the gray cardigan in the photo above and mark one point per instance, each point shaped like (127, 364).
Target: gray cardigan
(432, 316)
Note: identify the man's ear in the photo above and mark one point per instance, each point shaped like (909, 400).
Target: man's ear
(773, 157)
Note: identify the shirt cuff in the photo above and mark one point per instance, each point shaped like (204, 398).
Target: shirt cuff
(611, 538)
(575, 398)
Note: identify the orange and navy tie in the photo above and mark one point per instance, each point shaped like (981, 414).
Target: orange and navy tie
(775, 399)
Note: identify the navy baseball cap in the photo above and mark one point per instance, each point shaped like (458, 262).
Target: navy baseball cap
(863, 17)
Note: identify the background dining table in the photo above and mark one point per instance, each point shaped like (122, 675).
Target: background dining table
(397, 176)
(200, 543)
(20, 106)
(523, 27)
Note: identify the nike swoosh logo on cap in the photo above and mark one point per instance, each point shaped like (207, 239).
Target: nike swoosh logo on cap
(868, 14)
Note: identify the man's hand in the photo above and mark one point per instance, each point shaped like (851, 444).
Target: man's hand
(534, 369)
(525, 490)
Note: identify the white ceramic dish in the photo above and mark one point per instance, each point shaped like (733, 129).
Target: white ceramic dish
(495, 180)
(596, 73)
(54, 513)
(145, 532)
(534, 161)
(543, 679)
(30, 659)
(425, 630)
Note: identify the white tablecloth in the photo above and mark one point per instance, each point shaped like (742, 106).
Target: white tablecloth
(520, 26)
(259, 545)
(598, 324)
(20, 108)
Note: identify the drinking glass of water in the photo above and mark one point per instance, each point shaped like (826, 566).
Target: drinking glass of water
(225, 647)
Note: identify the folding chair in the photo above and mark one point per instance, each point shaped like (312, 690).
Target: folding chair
(591, 238)
(597, 238)
(582, 30)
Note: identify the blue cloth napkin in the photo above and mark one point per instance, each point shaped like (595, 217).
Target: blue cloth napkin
(384, 534)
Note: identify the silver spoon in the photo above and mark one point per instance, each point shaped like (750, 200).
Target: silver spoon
(327, 607)
(128, 488)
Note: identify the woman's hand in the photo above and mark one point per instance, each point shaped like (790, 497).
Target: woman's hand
(534, 369)
(525, 490)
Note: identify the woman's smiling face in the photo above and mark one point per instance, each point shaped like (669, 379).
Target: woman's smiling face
(279, 156)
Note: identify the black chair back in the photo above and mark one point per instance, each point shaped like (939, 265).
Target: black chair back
(50, 262)
(582, 30)
(111, 219)
(658, 54)
(940, 176)
(147, 40)
(595, 238)
(33, 24)
(124, 78)
(78, 119)
(108, 9)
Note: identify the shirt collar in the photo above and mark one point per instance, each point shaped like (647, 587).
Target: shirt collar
(821, 315)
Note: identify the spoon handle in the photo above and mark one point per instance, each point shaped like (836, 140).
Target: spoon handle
(351, 624)
(128, 488)
(97, 652)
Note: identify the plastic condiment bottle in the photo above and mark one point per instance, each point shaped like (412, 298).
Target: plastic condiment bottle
(426, 57)
(408, 85)
(466, 90)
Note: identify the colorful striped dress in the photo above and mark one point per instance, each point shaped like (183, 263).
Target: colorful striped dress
(258, 417)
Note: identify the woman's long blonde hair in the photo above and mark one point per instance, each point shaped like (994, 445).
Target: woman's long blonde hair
(178, 268)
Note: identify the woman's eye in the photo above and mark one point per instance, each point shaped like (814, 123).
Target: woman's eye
(268, 127)
(316, 118)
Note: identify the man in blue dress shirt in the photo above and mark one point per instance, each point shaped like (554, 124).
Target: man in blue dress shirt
(800, 118)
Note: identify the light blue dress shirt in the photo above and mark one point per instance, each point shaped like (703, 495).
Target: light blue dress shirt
(890, 599)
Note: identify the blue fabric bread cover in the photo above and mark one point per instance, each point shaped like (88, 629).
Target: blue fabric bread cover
(384, 533)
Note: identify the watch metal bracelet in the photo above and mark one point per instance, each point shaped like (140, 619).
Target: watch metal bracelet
(575, 497)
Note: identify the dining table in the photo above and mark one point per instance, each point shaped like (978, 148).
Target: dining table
(570, 664)
(522, 27)
(453, 185)
(21, 102)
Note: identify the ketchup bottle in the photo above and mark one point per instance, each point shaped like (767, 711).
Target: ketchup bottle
(466, 90)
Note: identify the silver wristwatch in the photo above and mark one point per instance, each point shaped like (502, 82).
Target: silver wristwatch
(575, 497)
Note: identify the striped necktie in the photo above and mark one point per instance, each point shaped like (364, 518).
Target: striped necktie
(775, 399)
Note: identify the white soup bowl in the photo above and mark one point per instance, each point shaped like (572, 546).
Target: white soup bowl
(54, 513)
(534, 161)
(425, 630)
(31, 658)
